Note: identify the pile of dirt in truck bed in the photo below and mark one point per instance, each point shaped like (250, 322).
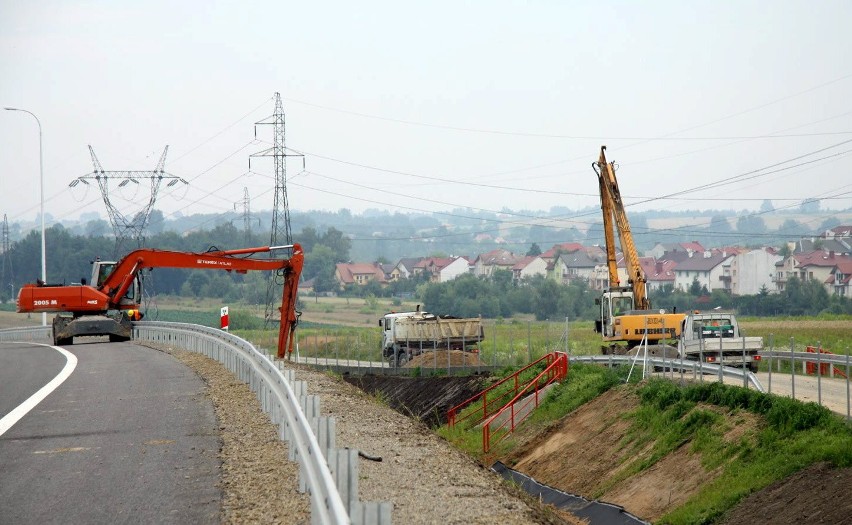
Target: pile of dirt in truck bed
(443, 359)
(424, 398)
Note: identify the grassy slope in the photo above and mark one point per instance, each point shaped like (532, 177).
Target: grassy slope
(791, 436)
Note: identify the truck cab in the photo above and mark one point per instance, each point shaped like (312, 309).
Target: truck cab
(716, 337)
(710, 325)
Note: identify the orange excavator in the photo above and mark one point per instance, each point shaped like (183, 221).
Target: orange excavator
(110, 303)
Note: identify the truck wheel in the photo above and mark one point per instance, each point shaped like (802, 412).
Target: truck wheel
(753, 367)
(117, 338)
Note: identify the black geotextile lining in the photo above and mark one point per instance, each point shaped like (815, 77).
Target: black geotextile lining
(597, 512)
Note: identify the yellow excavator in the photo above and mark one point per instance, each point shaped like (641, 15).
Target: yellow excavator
(625, 316)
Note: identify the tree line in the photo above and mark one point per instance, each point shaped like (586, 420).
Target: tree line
(69, 260)
(499, 296)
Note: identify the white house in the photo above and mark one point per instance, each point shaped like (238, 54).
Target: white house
(707, 267)
(529, 266)
(458, 266)
(752, 270)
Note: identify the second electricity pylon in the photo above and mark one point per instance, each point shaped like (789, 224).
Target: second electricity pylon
(247, 218)
(125, 226)
(281, 233)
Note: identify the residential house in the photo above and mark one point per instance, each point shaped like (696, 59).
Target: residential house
(359, 273)
(664, 250)
(529, 266)
(404, 268)
(752, 270)
(565, 247)
(658, 273)
(485, 264)
(816, 265)
(442, 269)
(838, 246)
(576, 265)
(838, 232)
(599, 279)
(707, 267)
(840, 281)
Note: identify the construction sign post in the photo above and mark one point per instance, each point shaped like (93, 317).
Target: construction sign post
(224, 317)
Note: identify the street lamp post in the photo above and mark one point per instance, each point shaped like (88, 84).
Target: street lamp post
(41, 184)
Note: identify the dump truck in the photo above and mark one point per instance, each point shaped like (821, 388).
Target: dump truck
(716, 337)
(408, 334)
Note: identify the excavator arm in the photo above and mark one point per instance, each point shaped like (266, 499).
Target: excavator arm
(613, 212)
(111, 293)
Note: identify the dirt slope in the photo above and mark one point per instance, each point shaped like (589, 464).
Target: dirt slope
(585, 454)
(424, 398)
(817, 494)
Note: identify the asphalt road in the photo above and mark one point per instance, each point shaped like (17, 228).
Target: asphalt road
(129, 437)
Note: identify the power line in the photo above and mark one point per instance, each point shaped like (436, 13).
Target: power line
(666, 137)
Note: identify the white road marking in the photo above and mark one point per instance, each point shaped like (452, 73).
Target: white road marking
(21, 410)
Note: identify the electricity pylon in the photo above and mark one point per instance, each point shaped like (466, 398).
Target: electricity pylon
(280, 233)
(129, 226)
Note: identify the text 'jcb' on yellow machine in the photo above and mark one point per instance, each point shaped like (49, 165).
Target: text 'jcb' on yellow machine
(625, 315)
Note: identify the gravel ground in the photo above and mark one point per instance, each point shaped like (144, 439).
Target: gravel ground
(426, 479)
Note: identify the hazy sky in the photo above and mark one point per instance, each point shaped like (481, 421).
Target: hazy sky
(429, 106)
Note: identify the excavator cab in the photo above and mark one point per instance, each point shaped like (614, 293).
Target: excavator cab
(102, 269)
(613, 304)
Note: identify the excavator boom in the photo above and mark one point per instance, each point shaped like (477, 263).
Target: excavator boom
(613, 211)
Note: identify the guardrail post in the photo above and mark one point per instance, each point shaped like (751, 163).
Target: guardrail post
(847, 386)
(792, 369)
(371, 513)
(771, 352)
(343, 464)
(325, 428)
(819, 373)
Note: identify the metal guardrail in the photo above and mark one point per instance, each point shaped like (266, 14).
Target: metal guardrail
(669, 365)
(325, 472)
(29, 333)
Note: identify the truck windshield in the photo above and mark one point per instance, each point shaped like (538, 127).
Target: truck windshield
(715, 328)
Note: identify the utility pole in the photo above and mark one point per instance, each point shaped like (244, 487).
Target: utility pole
(128, 226)
(6, 278)
(280, 233)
